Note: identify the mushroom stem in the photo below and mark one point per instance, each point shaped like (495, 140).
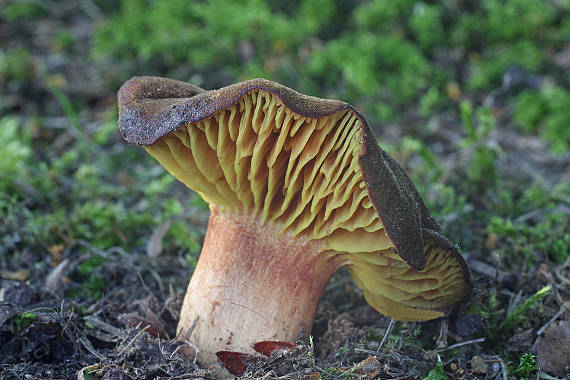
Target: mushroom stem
(252, 283)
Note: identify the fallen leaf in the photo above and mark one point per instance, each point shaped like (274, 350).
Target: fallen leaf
(453, 91)
(271, 348)
(134, 321)
(154, 245)
(236, 362)
(56, 277)
(492, 240)
(478, 365)
(553, 349)
(371, 367)
(19, 275)
(56, 251)
(521, 341)
(468, 325)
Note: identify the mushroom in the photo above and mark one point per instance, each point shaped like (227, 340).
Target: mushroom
(297, 188)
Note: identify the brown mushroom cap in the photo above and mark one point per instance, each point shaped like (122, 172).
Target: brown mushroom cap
(310, 169)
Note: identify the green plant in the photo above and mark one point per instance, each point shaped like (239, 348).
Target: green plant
(549, 236)
(342, 350)
(15, 153)
(336, 373)
(23, 320)
(391, 67)
(22, 10)
(488, 70)
(376, 54)
(483, 150)
(437, 373)
(311, 350)
(519, 313)
(15, 64)
(527, 366)
(76, 127)
(181, 236)
(63, 41)
(546, 112)
(489, 311)
(546, 233)
(511, 19)
(431, 101)
(91, 283)
(232, 24)
(503, 33)
(426, 23)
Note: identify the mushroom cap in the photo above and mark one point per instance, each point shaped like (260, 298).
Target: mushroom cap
(310, 166)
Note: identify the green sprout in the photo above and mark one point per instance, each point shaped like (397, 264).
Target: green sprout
(23, 320)
(527, 366)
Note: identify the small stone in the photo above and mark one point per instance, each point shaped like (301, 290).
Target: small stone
(468, 325)
(114, 373)
(510, 281)
(19, 275)
(370, 364)
(520, 342)
(19, 294)
(553, 349)
(372, 345)
(478, 365)
(491, 241)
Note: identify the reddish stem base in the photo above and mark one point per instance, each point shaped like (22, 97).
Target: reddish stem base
(251, 284)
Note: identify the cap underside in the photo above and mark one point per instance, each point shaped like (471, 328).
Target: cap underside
(302, 176)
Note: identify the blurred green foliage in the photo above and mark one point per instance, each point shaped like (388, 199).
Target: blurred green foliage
(437, 373)
(546, 112)
(22, 10)
(15, 64)
(92, 285)
(533, 222)
(531, 219)
(381, 55)
(484, 152)
(73, 196)
(519, 313)
(15, 153)
(22, 321)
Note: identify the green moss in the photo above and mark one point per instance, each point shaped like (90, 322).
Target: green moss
(15, 64)
(376, 54)
(548, 237)
(182, 235)
(23, 320)
(526, 367)
(519, 313)
(478, 127)
(426, 24)
(487, 70)
(512, 19)
(545, 112)
(22, 10)
(16, 151)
